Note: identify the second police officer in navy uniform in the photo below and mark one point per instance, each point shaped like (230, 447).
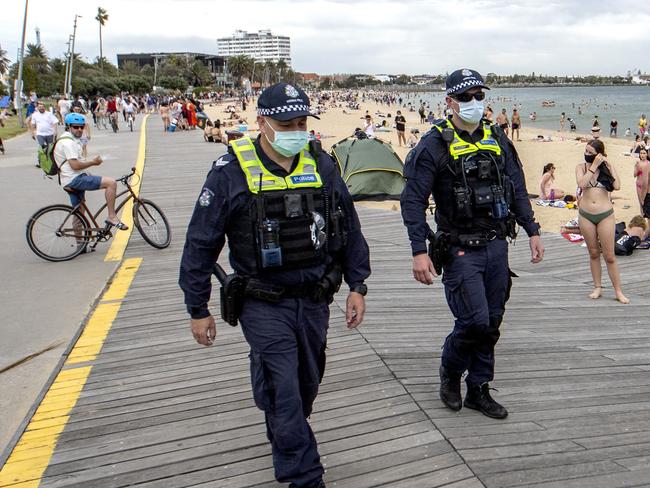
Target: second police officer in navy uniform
(477, 182)
(292, 233)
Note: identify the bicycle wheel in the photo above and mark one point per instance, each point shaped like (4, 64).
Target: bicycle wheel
(56, 233)
(152, 223)
(131, 124)
(114, 124)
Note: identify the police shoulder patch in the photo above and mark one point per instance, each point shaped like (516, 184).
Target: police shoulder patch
(222, 161)
(205, 199)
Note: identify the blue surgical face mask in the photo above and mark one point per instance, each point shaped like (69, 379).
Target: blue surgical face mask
(288, 143)
(472, 111)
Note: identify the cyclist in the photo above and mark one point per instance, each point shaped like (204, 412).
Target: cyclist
(111, 110)
(74, 179)
(130, 108)
(100, 112)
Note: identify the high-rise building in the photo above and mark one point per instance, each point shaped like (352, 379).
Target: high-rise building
(261, 46)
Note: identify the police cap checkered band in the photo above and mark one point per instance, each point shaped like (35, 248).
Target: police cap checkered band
(283, 101)
(284, 108)
(462, 80)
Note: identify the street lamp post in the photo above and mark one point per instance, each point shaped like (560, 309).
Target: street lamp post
(67, 66)
(19, 87)
(74, 35)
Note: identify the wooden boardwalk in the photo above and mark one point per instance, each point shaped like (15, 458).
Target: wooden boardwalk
(158, 410)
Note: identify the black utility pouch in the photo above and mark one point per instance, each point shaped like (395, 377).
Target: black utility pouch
(483, 196)
(232, 298)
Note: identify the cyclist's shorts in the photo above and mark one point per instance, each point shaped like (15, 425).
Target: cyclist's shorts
(82, 183)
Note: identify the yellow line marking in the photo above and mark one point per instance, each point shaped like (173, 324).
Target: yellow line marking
(95, 332)
(121, 239)
(33, 452)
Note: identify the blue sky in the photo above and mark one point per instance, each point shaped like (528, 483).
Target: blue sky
(369, 36)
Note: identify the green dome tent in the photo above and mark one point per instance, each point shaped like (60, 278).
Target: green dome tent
(370, 168)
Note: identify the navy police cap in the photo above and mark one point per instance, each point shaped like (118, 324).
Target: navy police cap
(283, 101)
(462, 80)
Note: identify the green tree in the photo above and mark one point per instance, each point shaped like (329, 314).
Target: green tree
(129, 68)
(101, 17)
(30, 77)
(35, 51)
(240, 66)
(199, 74)
(172, 82)
(281, 66)
(269, 71)
(4, 61)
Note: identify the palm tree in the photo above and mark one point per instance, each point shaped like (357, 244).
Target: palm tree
(240, 65)
(4, 61)
(269, 71)
(281, 65)
(36, 51)
(102, 17)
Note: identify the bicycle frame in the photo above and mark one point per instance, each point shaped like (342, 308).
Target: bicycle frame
(93, 217)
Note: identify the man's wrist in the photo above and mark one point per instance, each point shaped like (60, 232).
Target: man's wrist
(359, 288)
(198, 313)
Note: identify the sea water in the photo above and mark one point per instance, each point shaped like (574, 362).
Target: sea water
(581, 103)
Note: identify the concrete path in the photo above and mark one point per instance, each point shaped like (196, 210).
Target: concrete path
(44, 303)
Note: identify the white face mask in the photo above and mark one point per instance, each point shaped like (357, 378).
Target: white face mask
(472, 111)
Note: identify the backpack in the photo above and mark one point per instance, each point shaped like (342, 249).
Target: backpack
(46, 158)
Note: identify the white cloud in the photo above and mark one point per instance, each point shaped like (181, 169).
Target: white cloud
(373, 36)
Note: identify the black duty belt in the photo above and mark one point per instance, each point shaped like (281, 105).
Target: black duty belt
(274, 293)
(475, 239)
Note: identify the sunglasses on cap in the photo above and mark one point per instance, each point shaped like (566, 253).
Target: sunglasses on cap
(467, 97)
(77, 126)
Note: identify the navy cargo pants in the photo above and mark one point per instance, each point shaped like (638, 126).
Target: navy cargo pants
(477, 285)
(287, 359)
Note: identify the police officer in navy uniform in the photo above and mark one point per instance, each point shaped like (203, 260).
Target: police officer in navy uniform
(477, 181)
(291, 224)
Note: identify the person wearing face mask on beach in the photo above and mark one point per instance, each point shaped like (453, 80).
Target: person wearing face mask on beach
(477, 181)
(293, 235)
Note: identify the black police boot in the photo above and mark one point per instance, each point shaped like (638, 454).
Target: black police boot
(478, 398)
(450, 389)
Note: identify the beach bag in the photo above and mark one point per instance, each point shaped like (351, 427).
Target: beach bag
(46, 158)
(625, 244)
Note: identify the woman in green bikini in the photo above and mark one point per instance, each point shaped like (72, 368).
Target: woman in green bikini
(596, 178)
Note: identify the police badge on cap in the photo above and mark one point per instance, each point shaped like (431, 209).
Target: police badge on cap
(462, 80)
(283, 101)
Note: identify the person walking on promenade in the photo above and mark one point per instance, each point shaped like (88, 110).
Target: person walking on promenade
(478, 184)
(285, 210)
(43, 126)
(596, 179)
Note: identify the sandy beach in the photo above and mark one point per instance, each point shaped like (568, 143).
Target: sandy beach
(563, 151)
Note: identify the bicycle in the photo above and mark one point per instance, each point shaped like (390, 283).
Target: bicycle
(130, 119)
(113, 118)
(61, 232)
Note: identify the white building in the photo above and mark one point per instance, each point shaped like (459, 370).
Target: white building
(261, 46)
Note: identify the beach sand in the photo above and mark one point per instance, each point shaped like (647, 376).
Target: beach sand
(564, 152)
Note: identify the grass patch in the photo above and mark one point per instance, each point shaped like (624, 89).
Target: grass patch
(12, 128)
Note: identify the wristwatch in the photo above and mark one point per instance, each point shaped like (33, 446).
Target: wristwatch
(361, 289)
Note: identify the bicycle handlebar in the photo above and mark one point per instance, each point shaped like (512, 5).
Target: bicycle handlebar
(124, 179)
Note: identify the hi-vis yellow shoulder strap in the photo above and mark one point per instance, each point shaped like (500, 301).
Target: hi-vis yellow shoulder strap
(458, 147)
(261, 179)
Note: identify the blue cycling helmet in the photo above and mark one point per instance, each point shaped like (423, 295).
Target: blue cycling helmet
(75, 119)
